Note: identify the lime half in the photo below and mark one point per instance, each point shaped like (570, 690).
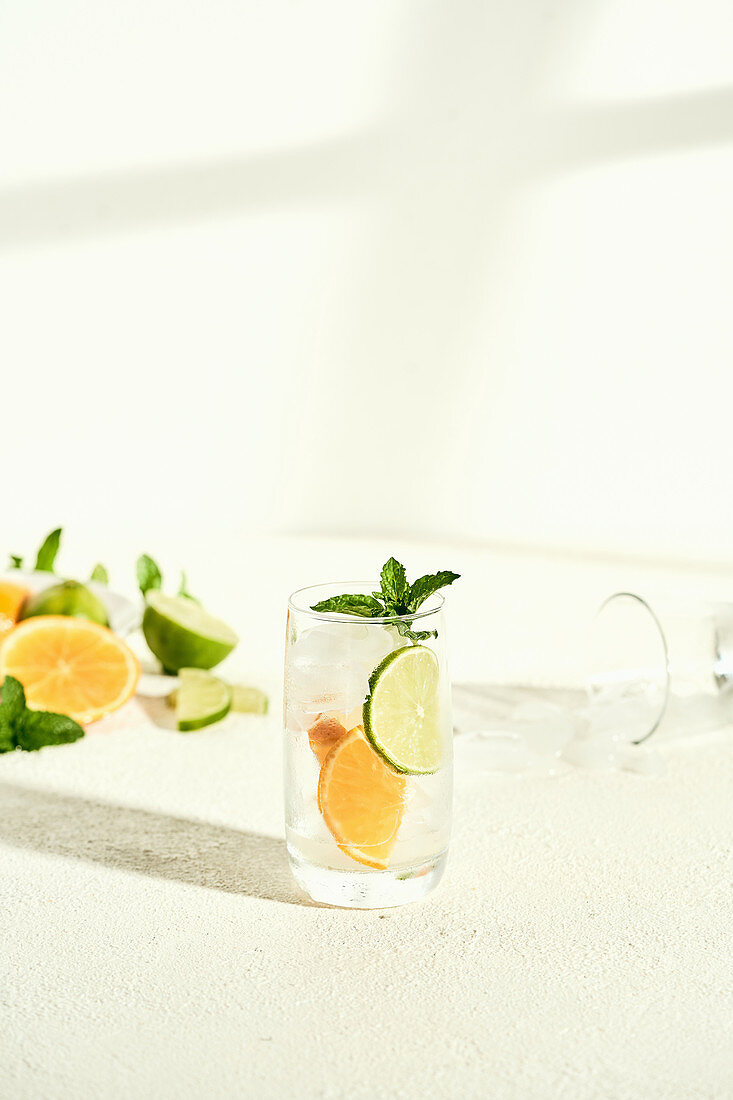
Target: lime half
(402, 711)
(68, 598)
(182, 635)
(201, 699)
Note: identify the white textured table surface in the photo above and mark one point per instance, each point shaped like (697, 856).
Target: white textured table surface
(155, 946)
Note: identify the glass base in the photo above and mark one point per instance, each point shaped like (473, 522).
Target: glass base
(368, 889)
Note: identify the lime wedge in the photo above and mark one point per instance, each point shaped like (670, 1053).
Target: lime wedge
(182, 635)
(248, 700)
(201, 699)
(402, 711)
(245, 700)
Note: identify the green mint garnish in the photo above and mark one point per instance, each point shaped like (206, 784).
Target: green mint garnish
(183, 589)
(15, 562)
(21, 728)
(100, 574)
(395, 588)
(148, 574)
(7, 737)
(40, 728)
(12, 705)
(365, 606)
(396, 597)
(46, 556)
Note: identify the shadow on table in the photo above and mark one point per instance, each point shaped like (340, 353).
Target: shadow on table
(161, 846)
(158, 711)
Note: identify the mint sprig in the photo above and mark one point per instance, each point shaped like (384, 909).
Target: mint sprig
(148, 574)
(46, 556)
(30, 730)
(396, 597)
(183, 589)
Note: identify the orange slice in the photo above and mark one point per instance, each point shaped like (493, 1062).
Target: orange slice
(69, 666)
(324, 734)
(362, 800)
(12, 598)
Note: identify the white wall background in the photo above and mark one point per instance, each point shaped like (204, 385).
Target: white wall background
(458, 270)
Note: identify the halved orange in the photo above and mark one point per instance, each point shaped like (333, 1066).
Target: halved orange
(362, 800)
(12, 598)
(70, 666)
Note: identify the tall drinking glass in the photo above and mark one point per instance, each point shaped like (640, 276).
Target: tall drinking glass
(368, 751)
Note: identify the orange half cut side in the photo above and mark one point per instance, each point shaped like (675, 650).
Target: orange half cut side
(12, 598)
(70, 666)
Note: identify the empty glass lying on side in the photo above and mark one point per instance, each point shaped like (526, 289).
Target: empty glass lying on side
(368, 751)
(654, 671)
(661, 669)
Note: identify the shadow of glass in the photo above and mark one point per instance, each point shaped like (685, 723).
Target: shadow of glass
(158, 845)
(184, 192)
(479, 164)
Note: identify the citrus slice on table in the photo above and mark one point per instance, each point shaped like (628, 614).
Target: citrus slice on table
(249, 700)
(201, 699)
(69, 666)
(402, 711)
(362, 800)
(12, 598)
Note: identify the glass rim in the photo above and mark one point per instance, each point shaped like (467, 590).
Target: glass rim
(432, 605)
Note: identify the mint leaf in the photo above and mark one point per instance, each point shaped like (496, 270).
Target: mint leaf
(415, 635)
(12, 706)
(100, 574)
(426, 586)
(148, 574)
(15, 562)
(38, 728)
(183, 591)
(46, 556)
(365, 606)
(394, 583)
(7, 735)
(31, 729)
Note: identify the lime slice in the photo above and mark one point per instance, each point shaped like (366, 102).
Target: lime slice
(402, 711)
(248, 700)
(245, 700)
(182, 635)
(201, 699)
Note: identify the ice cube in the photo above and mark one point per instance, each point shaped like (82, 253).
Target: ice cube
(372, 650)
(344, 643)
(627, 712)
(591, 750)
(545, 727)
(313, 689)
(330, 664)
(642, 761)
(317, 646)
